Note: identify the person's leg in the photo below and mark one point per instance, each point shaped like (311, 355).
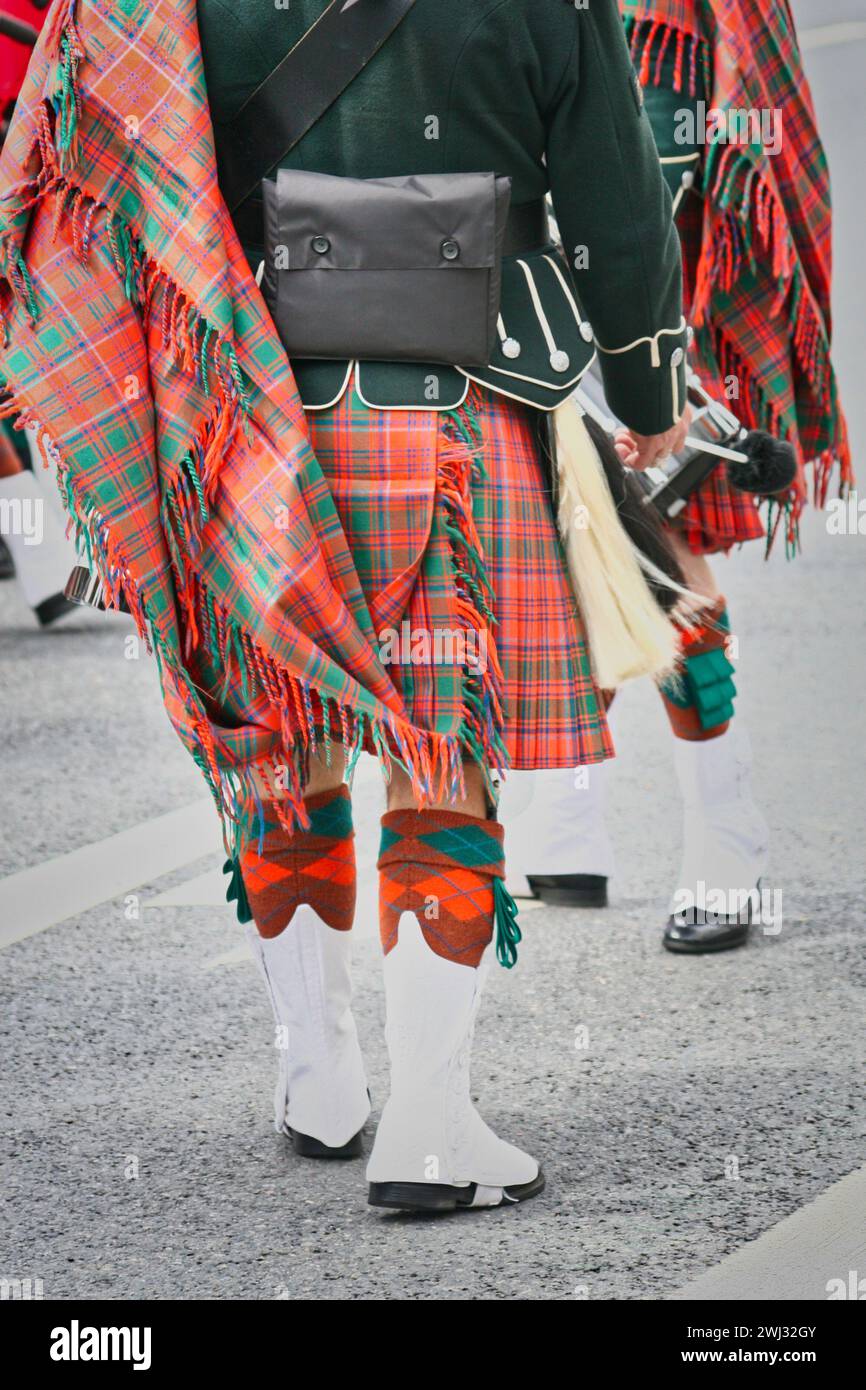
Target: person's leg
(725, 835)
(314, 866)
(441, 899)
(41, 554)
(559, 848)
(301, 894)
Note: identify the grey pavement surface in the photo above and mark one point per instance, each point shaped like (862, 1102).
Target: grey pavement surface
(806, 1255)
(716, 1096)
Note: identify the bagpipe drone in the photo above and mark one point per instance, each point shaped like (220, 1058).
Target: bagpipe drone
(755, 462)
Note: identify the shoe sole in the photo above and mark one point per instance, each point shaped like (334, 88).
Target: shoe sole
(573, 897)
(433, 1196)
(306, 1146)
(687, 948)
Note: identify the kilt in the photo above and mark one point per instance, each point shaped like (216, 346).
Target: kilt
(382, 468)
(718, 517)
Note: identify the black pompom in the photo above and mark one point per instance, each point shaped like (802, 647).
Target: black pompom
(770, 467)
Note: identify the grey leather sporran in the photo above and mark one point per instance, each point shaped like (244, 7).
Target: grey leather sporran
(390, 269)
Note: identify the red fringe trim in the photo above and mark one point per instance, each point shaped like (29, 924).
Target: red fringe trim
(749, 214)
(649, 40)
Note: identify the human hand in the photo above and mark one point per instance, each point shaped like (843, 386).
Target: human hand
(640, 451)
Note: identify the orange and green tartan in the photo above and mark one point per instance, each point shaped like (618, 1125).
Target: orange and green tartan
(314, 866)
(447, 869)
(757, 245)
(385, 470)
(134, 338)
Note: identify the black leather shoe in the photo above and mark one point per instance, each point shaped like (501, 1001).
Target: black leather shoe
(696, 932)
(7, 564)
(50, 609)
(431, 1196)
(569, 890)
(308, 1147)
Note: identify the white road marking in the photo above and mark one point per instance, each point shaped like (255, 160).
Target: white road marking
(205, 890)
(238, 955)
(828, 35)
(809, 1255)
(52, 892)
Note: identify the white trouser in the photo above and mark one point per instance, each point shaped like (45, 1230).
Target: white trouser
(725, 836)
(554, 823)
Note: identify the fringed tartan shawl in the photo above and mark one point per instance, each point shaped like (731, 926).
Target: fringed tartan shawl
(760, 298)
(136, 341)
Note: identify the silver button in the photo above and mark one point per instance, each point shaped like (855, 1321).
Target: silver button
(586, 332)
(321, 245)
(687, 179)
(511, 348)
(677, 357)
(450, 250)
(560, 361)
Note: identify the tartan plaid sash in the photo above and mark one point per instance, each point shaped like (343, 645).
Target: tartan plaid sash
(760, 296)
(135, 340)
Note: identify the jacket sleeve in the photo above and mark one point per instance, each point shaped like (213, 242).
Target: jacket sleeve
(615, 217)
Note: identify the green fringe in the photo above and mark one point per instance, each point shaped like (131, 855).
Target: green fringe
(236, 891)
(508, 933)
(29, 292)
(67, 103)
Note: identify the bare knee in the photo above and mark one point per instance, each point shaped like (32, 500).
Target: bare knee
(401, 797)
(323, 778)
(698, 575)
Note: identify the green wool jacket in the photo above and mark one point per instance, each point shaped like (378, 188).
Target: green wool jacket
(543, 91)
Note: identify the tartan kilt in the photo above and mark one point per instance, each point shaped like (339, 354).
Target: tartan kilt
(718, 517)
(382, 468)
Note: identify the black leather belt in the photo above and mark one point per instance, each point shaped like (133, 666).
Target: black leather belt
(526, 230)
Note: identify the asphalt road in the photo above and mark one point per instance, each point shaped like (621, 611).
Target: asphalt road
(715, 1098)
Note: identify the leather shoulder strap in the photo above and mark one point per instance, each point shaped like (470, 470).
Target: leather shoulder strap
(301, 88)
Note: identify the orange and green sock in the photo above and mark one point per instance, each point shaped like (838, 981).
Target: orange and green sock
(699, 699)
(316, 866)
(448, 869)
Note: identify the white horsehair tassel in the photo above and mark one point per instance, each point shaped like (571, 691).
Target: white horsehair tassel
(628, 634)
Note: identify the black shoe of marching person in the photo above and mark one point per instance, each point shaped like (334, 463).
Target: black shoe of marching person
(306, 1146)
(697, 933)
(7, 564)
(52, 608)
(569, 890)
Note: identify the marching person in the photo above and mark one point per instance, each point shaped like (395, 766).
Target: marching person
(39, 555)
(733, 119)
(282, 532)
(33, 548)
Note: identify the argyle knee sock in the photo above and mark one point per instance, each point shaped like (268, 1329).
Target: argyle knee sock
(448, 869)
(699, 699)
(315, 866)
